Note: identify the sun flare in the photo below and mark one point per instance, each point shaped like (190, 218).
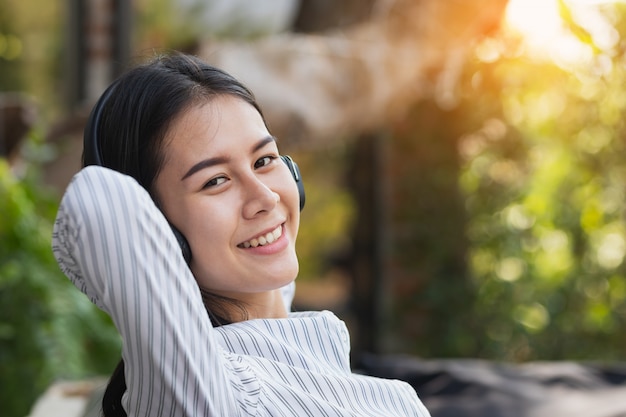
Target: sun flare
(537, 20)
(540, 24)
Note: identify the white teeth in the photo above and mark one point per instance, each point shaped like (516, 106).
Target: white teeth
(265, 239)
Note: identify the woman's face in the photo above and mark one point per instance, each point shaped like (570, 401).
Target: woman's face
(224, 186)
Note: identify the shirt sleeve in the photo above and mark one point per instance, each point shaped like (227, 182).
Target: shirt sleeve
(116, 247)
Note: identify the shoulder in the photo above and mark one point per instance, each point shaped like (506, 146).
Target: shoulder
(314, 338)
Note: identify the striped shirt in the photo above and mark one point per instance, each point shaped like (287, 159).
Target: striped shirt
(118, 249)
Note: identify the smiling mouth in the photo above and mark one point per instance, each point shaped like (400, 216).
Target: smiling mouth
(263, 240)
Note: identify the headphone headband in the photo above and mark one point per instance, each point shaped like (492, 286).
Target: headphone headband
(91, 146)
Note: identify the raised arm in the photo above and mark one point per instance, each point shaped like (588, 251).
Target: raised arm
(116, 247)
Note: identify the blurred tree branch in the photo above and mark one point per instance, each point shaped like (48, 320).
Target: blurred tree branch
(319, 87)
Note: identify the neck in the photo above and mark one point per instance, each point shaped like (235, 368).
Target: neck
(267, 305)
(271, 306)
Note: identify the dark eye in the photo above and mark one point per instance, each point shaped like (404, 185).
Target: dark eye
(213, 182)
(266, 160)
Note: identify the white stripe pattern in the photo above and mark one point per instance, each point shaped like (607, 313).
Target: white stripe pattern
(117, 248)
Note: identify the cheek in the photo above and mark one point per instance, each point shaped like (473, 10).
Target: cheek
(287, 188)
(209, 225)
(294, 199)
(209, 234)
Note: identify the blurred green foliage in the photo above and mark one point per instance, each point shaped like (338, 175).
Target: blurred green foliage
(544, 180)
(48, 330)
(328, 212)
(31, 51)
(10, 51)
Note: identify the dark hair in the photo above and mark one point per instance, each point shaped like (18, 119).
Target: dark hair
(135, 115)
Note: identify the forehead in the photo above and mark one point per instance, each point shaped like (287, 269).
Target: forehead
(216, 125)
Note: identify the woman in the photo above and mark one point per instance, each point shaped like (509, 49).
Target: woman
(195, 141)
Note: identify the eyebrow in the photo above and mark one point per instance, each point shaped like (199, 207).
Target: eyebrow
(207, 163)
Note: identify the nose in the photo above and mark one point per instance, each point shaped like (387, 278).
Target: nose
(258, 197)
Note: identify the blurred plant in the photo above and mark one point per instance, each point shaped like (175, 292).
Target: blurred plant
(48, 330)
(544, 184)
(328, 212)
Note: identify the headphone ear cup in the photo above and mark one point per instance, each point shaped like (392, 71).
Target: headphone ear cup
(295, 173)
(184, 245)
